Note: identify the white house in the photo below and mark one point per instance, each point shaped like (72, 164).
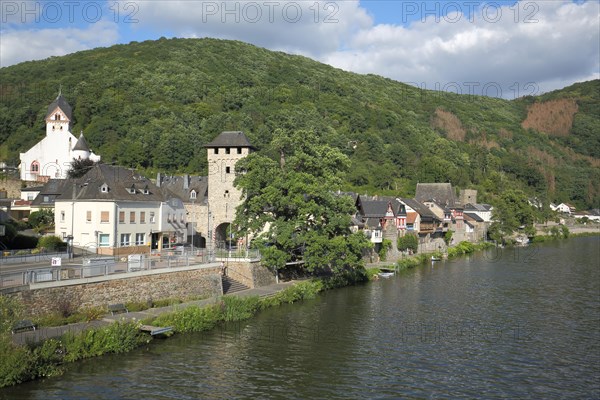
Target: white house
(118, 212)
(52, 156)
(563, 208)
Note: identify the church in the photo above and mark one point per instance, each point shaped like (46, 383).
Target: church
(51, 157)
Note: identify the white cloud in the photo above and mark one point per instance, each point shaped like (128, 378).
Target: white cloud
(550, 44)
(17, 45)
(312, 28)
(562, 47)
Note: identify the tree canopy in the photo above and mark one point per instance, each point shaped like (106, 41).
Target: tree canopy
(292, 207)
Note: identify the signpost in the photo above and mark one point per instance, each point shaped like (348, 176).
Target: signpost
(56, 262)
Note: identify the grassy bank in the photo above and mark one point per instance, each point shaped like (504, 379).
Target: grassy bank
(23, 363)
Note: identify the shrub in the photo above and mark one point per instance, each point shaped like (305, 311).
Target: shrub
(238, 309)
(10, 312)
(192, 319)
(14, 363)
(386, 245)
(23, 242)
(51, 243)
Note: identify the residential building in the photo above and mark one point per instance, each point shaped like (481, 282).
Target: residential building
(118, 212)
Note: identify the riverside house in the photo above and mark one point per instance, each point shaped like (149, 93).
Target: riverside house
(115, 211)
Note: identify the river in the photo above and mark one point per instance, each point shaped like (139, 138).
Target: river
(514, 323)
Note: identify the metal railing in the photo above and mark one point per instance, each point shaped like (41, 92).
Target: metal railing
(97, 267)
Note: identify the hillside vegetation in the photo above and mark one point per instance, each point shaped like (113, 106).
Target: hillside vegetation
(152, 106)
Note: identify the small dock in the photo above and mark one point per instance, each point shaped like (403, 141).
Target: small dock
(156, 330)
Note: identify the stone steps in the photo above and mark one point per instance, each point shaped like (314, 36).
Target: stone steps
(230, 285)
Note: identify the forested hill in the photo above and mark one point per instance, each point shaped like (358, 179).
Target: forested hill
(152, 105)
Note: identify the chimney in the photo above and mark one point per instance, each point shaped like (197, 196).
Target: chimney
(186, 181)
(158, 179)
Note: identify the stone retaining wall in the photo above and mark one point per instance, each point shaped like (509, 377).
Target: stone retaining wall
(251, 274)
(142, 286)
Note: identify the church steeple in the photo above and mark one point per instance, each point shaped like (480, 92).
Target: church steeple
(58, 116)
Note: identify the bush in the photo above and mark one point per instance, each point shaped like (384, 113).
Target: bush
(23, 242)
(386, 245)
(14, 363)
(10, 312)
(238, 309)
(51, 243)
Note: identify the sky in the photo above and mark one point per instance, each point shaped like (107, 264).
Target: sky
(500, 48)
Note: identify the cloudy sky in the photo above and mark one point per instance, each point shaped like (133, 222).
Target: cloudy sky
(501, 48)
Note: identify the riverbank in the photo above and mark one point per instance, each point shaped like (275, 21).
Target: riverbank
(43, 352)
(25, 360)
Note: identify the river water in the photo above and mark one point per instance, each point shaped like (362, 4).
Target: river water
(514, 323)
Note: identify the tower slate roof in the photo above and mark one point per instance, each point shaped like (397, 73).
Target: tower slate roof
(81, 144)
(441, 193)
(60, 102)
(230, 139)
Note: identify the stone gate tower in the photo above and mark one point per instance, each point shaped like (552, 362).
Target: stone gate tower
(223, 198)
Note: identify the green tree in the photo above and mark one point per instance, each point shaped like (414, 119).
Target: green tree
(79, 167)
(290, 205)
(41, 219)
(408, 242)
(511, 212)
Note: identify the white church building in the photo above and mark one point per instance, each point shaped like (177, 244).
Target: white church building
(52, 156)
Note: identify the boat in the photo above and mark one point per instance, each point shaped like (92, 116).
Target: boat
(434, 258)
(385, 274)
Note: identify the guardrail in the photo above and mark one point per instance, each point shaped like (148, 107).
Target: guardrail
(95, 267)
(25, 256)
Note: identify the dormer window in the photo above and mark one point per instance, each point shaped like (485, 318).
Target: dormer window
(104, 188)
(193, 194)
(131, 190)
(146, 190)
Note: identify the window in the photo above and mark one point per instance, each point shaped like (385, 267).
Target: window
(46, 199)
(104, 188)
(181, 219)
(226, 194)
(169, 217)
(216, 151)
(103, 240)
(227, 150)
(152, 219)
(125, 238)
(132, 217)
(88, 216)
(121, 217)
(239, 150)
(35, 167)
(227, 170)
(140, 239)
(30, 196)
(104, 217)
(57, 117)
(62, 216)
(142, 217)
(193, 194)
